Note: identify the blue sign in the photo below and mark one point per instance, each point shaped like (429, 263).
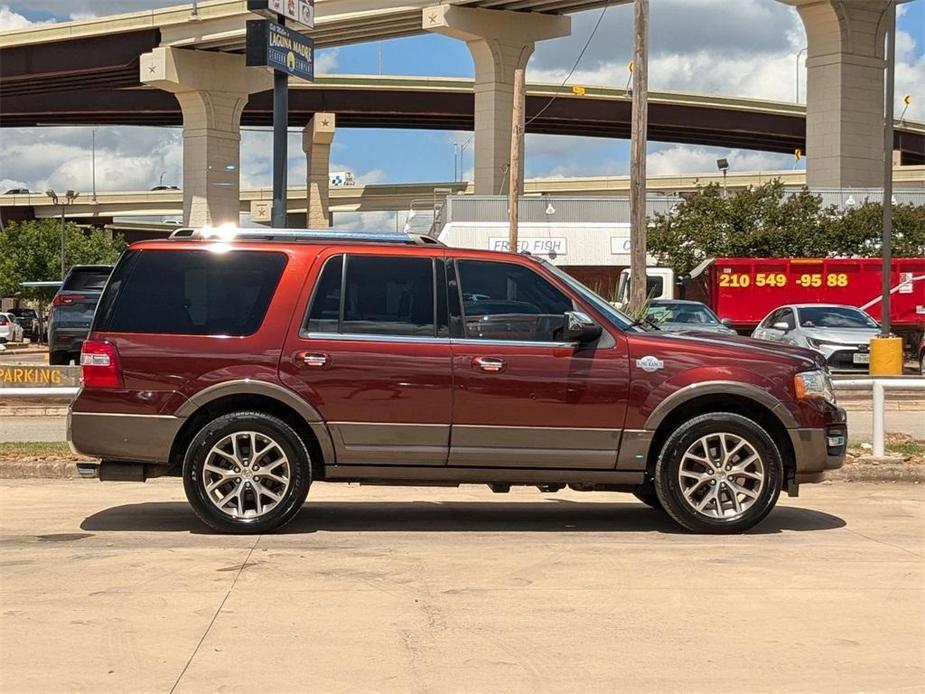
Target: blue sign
(274, 46)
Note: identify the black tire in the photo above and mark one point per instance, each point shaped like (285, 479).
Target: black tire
(922, 364)
(668, 484)
(648, 495)
(57, 358)
(300, 473)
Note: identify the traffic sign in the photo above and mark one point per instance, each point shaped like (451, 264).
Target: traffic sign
(279, 48)
(301, 11)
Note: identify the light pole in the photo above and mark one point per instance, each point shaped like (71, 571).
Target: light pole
(723, 165)
(70, 196)
(799, 53)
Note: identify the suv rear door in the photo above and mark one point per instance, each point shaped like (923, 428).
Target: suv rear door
(522, 397)
(372, 354)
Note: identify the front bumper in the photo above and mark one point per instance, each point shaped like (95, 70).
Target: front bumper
(123, 437)
(818, 449)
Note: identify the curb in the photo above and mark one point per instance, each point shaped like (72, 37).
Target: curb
(38, 469)
(878, 472)
(853, 472)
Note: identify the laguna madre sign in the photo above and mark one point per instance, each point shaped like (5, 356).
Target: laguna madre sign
(281, 49)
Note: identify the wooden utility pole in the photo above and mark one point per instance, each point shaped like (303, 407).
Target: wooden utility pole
(638, 159)
(517, 161)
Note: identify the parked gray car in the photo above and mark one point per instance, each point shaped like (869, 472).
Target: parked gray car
(841, 333)
(676, 315)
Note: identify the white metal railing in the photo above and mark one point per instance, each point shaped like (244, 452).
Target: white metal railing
(878, 387)
(38, 392)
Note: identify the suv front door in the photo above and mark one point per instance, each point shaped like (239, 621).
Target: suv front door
(522, 397)
(372, 355)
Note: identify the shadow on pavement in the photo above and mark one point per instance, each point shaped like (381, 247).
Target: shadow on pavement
(464, 516)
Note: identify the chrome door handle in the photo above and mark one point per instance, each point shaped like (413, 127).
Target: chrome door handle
(314, 359)
(490, 365)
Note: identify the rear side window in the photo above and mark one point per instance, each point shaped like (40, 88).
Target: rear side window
(374, 295)
(86, 279)
(190, 292)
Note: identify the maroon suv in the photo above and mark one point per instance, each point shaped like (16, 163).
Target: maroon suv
(254, 363)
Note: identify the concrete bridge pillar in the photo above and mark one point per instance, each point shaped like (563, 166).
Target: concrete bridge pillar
(212, 90)
(317, 137)
(844, 91)
(500, 42)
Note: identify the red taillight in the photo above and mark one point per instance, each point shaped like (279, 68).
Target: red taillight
(67, 299)
(99, 365)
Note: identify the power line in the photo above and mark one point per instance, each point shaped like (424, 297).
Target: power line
(581, 55)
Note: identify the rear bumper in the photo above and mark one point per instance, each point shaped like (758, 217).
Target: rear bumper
(67, 340)
(817, 450)
(123, 437)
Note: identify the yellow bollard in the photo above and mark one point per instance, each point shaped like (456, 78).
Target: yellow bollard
(886, 356)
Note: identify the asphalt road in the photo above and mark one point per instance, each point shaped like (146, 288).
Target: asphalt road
(117, 587)
(52, 428)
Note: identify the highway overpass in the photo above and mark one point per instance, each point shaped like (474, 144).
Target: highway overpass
(399, 196)
(102, 71)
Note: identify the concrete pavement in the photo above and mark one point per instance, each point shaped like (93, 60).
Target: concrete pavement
(117, 587)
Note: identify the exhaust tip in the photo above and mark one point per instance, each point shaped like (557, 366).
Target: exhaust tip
(88, 470)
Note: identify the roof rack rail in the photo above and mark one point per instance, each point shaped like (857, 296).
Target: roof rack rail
(296, 235)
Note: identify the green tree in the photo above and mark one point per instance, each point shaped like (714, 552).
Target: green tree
(31, 251)
(766, 221)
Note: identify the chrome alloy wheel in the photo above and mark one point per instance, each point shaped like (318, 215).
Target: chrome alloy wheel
(721, 476)
(246, 474)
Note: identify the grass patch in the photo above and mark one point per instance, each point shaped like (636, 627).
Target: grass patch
(913, 448)
(895, 446)
(36, 449)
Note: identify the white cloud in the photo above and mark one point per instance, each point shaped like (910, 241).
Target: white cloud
(10, 20)
(676, 159)
(367, 221)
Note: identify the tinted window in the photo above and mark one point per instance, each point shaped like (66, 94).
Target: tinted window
(324, 316)
(504, 301)
(190, 292)
(382, 296)
(86, 279)
(835, 317)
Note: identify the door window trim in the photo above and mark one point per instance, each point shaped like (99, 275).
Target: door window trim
(354, 337)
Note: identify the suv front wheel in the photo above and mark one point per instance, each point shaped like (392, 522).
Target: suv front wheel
(719, 473)
(246, 472)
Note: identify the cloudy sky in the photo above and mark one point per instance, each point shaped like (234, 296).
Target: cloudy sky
(696, 45)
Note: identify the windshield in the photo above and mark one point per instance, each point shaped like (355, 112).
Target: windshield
(616, 318)
(693, 313)
(835, 317)
(86, 279)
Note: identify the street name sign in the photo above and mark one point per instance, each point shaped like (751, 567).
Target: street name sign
(281, 49)
(301, 11)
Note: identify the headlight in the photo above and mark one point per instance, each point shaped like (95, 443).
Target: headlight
(814, 384)
(824, 343)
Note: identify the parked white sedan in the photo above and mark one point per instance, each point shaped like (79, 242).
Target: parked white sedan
(10, 330)
(841, 333)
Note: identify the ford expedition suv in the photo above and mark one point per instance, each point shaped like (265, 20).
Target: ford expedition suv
(253, 364)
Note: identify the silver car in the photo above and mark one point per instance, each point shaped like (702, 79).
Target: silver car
(677, 315)
(841, 333)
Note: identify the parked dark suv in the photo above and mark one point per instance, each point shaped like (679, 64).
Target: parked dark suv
(72, 311)
(254, 363)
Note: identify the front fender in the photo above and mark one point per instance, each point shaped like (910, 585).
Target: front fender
(694, 383)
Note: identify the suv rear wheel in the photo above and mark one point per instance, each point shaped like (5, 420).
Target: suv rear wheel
(246, 472)
(719, 473)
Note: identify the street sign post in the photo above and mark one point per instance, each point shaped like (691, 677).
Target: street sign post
(271, 44)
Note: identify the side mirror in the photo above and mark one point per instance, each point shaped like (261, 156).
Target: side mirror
(580, 328)
(780, 325)
(727, 322)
